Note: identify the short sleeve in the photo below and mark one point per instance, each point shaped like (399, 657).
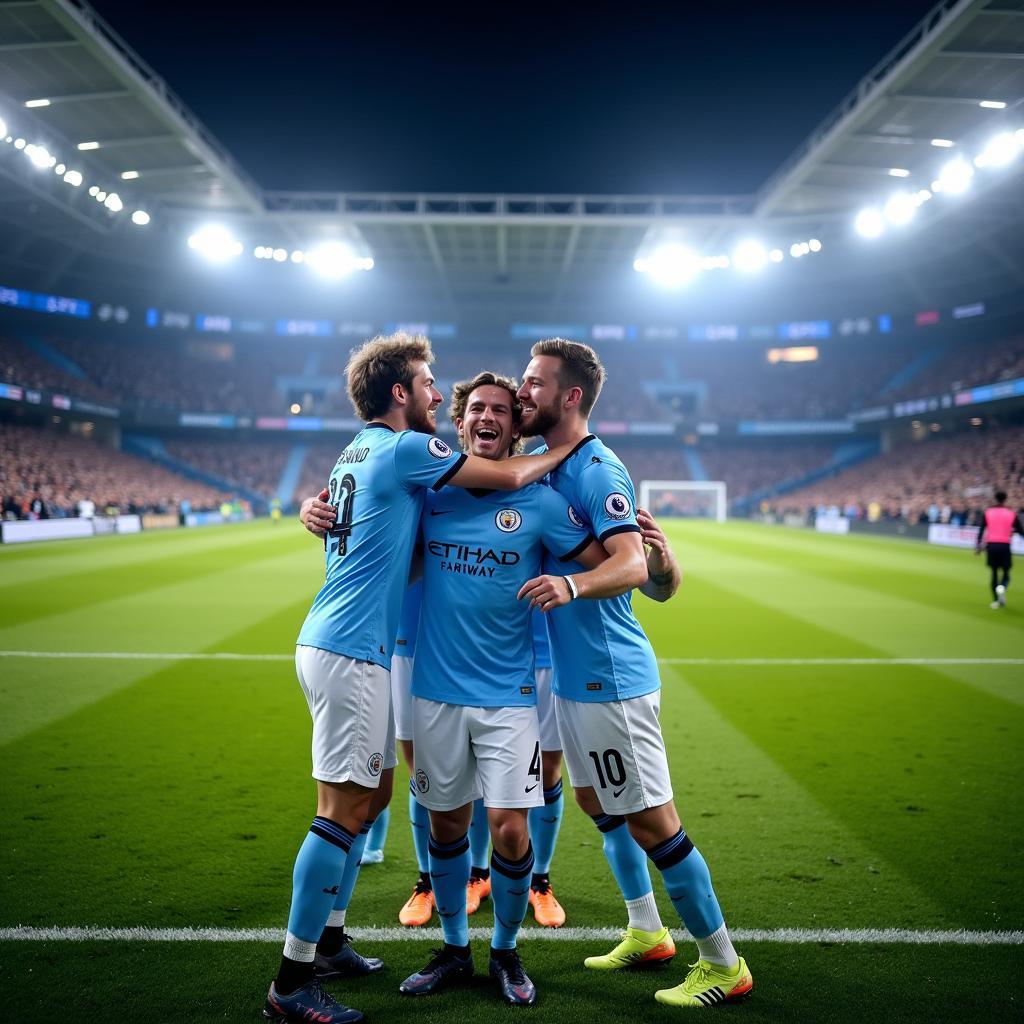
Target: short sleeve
(606, 493)
(563, 534)
(423, 460)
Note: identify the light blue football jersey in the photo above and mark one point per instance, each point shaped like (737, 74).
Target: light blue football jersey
(378, 485)
(599, 650)
(475, 644)
(541, 646)
(409, 620)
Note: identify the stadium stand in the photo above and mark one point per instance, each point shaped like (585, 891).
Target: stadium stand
(61, 470)
(968, 365)
(20, 365)
(752, 469)
(940, 479)
(251, 465)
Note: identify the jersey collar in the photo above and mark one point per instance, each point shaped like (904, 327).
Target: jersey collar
(377, 425)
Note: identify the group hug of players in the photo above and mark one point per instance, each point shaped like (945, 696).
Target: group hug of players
(494, 546)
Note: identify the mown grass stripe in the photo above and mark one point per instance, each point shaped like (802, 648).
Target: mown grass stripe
(753, 662)
(835, 936)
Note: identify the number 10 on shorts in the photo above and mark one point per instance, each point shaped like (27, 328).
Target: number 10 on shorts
(609, 767)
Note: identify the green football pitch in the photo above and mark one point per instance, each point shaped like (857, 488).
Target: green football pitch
(845, 724)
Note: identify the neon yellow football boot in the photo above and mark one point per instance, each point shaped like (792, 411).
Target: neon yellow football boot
(636, 949)
(708, 985)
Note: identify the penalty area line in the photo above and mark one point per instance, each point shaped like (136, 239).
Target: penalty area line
(831, 936)
(739, 662)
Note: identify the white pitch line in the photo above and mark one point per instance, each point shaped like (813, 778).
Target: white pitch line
(837, 936)
(740, 662)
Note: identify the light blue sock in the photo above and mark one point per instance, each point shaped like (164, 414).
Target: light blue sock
(316, 881)
(350, 875)
(688, 882)
(627, 861)
(479, 835)
(544, 825)
(419, 819)
(510, 894)
(449, 873)
(379, 833)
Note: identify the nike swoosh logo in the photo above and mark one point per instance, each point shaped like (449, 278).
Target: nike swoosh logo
(530, 789)
(616, 793)
(442, 512)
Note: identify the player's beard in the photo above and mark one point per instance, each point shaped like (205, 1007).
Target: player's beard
(419, 419)
(543, 420)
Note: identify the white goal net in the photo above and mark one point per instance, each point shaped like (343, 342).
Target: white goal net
(694, 499)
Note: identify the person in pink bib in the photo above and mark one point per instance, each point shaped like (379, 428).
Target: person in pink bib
(996, 533)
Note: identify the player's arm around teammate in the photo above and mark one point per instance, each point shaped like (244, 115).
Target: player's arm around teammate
(663, 572)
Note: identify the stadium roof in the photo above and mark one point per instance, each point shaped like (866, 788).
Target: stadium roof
(68, 79)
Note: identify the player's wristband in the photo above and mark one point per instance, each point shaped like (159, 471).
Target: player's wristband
(573, 589)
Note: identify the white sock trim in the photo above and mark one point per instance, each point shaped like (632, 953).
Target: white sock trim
(718, 949)
(298, 949)
(643, 913)
(336, 919)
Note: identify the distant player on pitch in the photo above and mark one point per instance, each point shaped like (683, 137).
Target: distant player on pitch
(607, 691)
(995, 537)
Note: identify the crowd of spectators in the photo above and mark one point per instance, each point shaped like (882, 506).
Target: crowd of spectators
(20, 365)
(940, 479)
(252, 465)
(966, 366)
(48, 475)
(748, 470)
(647, 382)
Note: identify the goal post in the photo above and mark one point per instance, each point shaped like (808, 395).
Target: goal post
(694, 499)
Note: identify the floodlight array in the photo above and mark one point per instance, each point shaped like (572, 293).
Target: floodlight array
(332, 260)
(43, 160)
(673, 264)
(953, 178)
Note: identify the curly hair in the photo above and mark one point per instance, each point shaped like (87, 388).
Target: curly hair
(464, 388)
(379, 364)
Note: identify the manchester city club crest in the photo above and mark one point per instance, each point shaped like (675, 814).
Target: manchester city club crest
(508, 520)
(374, 764)
(422, 782)
(617, 505)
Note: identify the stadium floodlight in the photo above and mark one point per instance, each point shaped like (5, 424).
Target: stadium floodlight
(298, 256)
(39, 156)
(334, 260)
(955, 177)
(83, 146)
(796, 250)
(73, 178)
(923, 195)
(1000, 151)
(129, 175)
(19, 143)
(113, 203)
(992, 104)
(749, 255)
(776, 255)
(943, 143)
(899, 172)
(259, 251)
(670, 265)
(141, 218)
(59, 169)
(93, 189)
(870, 223)
(37, 103)
(901, 208)
(216, 243)
(814, 245)
(280, 255)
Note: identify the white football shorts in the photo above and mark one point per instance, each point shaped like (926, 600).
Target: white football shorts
(350, 704)
(616, 747)
(463, 753)
(401, 695)
(549, 738)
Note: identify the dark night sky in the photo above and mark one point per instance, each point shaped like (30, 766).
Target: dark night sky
(512, 98)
